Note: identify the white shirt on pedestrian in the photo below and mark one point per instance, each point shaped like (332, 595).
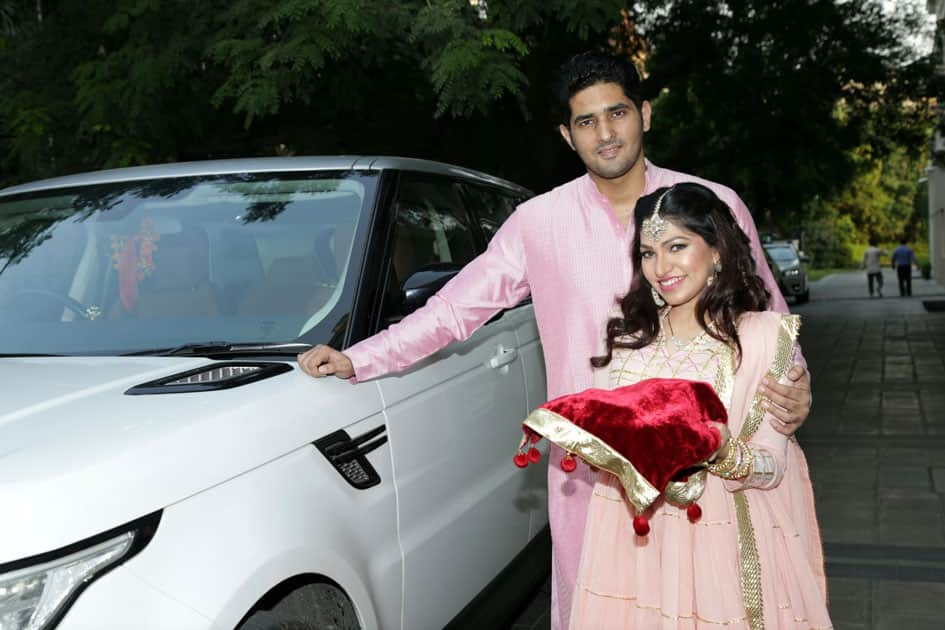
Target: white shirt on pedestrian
(871, 260)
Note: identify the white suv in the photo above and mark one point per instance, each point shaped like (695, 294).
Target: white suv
(163, 462)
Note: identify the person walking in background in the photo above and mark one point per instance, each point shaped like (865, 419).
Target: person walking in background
(874, 267)
(903, 258)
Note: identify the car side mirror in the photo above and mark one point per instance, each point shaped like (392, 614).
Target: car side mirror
(424, 283)
(804, 258)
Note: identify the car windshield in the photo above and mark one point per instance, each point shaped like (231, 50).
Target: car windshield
(782, 255)
(135, 266)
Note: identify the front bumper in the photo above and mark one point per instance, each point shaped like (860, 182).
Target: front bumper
(121, 600)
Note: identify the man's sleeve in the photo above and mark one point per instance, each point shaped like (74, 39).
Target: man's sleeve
(494, 281)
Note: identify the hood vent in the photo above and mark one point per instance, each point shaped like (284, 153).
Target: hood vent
(211, 377)
(347, 455)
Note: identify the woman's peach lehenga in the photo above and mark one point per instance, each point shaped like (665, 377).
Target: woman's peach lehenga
(753, 560)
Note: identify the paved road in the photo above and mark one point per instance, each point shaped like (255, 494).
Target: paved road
(875, 441)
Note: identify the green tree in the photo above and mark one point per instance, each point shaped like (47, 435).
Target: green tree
(117, 83)
(772, 97)
(881, 199)
(739, 97)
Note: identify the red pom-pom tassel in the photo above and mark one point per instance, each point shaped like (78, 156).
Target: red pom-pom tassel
(568, 464)
(534, 455)
(521, 460)
(694, 512)
(641, 525)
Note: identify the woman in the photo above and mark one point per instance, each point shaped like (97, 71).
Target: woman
(696, 310)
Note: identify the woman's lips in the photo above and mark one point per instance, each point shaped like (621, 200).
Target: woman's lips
(669, 284)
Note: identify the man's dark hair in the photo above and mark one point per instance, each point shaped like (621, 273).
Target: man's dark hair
(590, 68)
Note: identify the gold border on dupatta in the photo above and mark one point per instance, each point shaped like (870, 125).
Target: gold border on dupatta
(787, 333)
(789, 326)
(572, 438)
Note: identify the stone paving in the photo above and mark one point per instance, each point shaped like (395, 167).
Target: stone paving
(875, 441)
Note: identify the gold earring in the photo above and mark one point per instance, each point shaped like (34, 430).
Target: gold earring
(716, 269)
(657, 298)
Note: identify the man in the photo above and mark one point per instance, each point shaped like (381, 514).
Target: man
(903, 258)
(570, 250)
(874, 267)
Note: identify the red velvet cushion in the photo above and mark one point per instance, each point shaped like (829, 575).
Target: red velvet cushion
(659, 425)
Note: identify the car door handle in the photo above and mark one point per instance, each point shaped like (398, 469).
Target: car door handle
(504, 356)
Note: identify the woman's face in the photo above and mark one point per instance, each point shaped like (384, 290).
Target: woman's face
(678, 264)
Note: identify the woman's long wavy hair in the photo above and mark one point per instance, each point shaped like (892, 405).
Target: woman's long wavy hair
(736, 289)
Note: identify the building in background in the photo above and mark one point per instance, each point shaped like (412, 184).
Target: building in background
(936, 168)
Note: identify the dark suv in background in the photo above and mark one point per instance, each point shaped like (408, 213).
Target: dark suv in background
(789, 269)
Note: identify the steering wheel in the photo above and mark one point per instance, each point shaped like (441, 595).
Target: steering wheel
(72, 304)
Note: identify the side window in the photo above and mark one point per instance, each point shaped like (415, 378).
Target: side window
(491, 206)
(430, 227)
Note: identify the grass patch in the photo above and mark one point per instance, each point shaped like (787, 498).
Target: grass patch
(816, 274)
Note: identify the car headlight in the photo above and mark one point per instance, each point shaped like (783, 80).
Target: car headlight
(36, 592)
(792, 272)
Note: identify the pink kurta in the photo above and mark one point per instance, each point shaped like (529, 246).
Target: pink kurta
(569, 251)
(688, 576)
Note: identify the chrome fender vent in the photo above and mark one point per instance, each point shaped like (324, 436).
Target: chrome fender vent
(211, 377)
(347, 455)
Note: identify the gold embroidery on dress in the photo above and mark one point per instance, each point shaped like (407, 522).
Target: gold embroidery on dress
(751, 565)
(675, 513)
(787, 334)
(699, 523)
(664, 362)
(748, 551)
(725, 378)
(662, 613)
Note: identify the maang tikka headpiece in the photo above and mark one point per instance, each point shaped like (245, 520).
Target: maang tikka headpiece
(654, 226)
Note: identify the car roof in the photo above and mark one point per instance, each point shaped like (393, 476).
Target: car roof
(779, 244)
(260, 165)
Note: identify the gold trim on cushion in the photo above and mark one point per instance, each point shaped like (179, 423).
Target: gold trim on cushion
(558, 430)
(682, 493)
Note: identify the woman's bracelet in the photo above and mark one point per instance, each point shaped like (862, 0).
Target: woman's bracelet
(737, 463)
(728, 463)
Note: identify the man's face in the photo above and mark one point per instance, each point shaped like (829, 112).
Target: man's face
(606, 129)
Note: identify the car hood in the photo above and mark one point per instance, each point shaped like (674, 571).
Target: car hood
(78, 456)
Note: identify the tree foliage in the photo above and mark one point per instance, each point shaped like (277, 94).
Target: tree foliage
(772, 97)
(125, 82)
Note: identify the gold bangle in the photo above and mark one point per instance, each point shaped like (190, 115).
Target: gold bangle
(746, 462)
(737, 463)
(728, 463)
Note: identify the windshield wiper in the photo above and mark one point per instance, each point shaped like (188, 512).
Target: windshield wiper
(208, 348)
